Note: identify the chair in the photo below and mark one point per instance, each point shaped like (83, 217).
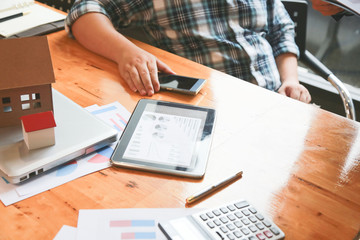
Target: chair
(63, 5)
(297, 10)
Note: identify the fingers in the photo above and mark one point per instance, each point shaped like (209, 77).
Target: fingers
(153, 74)
(301, 95)
(145, 78)
(297, 92)
(140, 71)
(305, 96)
(132, 77)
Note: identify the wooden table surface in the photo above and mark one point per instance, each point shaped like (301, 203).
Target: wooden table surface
(300, 163)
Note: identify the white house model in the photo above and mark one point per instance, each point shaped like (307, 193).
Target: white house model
(38, 129)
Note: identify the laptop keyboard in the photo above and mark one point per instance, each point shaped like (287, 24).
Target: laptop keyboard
(237, 220)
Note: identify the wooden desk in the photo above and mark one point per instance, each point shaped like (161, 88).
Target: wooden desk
(300, 163)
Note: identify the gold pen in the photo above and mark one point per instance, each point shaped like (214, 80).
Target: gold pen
(212, 188)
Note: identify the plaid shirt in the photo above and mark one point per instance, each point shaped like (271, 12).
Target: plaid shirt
(238, 37)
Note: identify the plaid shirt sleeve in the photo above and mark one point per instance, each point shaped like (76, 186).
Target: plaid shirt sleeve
(282, 30)
(80, 8)
(120, 12)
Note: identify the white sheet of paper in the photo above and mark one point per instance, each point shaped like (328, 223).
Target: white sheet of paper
(129, 223)
(66, 233)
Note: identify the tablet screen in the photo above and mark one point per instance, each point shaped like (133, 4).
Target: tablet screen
(167, 137)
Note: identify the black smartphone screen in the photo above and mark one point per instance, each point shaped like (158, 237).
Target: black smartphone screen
(176, 81)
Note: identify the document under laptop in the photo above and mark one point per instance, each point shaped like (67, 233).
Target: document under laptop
(77, 133)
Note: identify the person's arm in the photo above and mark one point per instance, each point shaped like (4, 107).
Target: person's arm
(282, 40)
(291, 87)
(137, 67)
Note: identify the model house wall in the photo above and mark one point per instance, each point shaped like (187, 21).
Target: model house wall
(26, 75)
(38, 129)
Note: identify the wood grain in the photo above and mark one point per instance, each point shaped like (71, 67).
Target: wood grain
(300, 163)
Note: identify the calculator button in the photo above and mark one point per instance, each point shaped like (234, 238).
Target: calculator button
(230, 226)
(224, 220)
(223, 229)
(210, 215)
(275, 230)
(245, 231)
(203, 217)
(230, 236)
(245, 221)
(260, 236)
(231, 207)
(259, 216)
(253, 219)
(224, 210)
(238, 224)
(268, 234)
(260, 226)
(231, 217)
(216, 212)
(210, 224)
(252, 210)
(217, 222)
(241, 204)
(238, 214)
(246, 212)
(267, 223)
(252, 228)
(237, 234)
(252, 238)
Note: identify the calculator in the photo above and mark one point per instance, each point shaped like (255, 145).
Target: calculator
(234, 220)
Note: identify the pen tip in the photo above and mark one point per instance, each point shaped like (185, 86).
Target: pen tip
(189, 199)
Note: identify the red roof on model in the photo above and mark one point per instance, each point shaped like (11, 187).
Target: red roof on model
(38, 121)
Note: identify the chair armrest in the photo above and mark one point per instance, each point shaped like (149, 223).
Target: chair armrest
(314, 64)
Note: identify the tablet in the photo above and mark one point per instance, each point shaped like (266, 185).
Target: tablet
(166, 137)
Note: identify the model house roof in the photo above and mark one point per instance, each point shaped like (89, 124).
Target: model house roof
(25, 62)
(38, 121)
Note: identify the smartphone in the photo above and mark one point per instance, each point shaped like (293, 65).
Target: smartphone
(181, 84)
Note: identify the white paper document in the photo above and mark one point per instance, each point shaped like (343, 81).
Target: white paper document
(129, 223)
(66, 233)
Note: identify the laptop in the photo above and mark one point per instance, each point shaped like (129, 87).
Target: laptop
(77, 133)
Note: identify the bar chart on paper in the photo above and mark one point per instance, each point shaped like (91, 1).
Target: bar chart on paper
(114, 114)
(126, 223)
(134, 229)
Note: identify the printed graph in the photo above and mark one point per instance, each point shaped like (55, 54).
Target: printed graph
(126, 223)
(113, 114)
(140, 229)
(66, 169)
(102, 155)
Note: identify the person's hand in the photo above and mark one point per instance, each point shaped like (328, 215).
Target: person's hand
(327, 9)
(295, 90)
(140, 70)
